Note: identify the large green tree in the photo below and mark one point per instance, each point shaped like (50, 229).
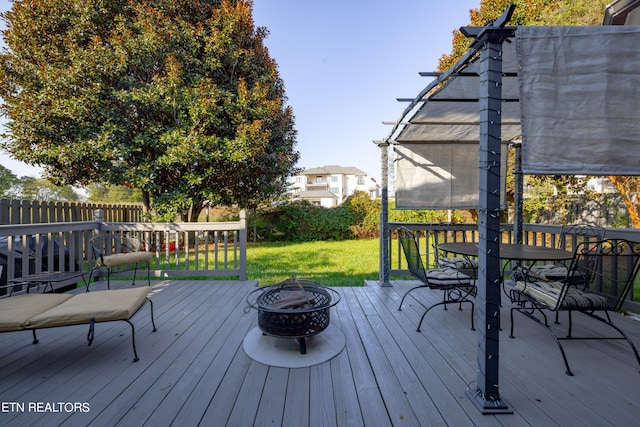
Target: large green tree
(177, 98)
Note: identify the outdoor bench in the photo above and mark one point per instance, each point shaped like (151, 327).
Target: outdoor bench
(32, 311)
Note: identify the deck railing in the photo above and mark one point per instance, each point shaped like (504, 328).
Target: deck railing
(533, 234)
(201, 249)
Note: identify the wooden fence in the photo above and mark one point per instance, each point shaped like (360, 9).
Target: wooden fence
(38, 212)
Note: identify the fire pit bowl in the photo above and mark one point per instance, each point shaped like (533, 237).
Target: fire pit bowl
(295, 308)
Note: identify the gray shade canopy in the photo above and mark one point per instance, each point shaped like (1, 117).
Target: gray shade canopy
(572, 93)
(436, 151)
(580, 88)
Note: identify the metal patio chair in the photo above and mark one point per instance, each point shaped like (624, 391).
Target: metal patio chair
(576, 234)
(457, 287)
(452, 232)
(117, 253)
(605, 268)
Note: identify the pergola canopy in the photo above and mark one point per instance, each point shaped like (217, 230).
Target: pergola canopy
(572, 93)
(552, 68)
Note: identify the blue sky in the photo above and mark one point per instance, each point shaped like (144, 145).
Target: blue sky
(344, 63)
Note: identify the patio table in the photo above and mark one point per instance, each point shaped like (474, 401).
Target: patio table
(510, 251)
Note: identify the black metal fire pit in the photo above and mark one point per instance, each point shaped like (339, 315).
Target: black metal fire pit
(295, 308)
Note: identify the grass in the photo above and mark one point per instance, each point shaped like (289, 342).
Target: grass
(330, 263)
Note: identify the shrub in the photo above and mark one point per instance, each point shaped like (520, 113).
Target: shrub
(357, 218)
(302, 221)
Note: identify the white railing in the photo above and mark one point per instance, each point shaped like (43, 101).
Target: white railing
(202, 249)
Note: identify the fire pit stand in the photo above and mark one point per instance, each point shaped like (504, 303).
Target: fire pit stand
(295, 308)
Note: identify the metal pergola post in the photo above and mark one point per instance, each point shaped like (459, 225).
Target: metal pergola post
(384, 216)
(488, 40)
(518, 193)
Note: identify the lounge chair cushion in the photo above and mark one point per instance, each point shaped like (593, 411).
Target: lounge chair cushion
(102, 306)
(447, 277)
(548, 294)
(123, 259)
(16, 311)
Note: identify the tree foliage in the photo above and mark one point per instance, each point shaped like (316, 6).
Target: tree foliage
(527, 12)
(179, 99)
(8, 181)
(100, 193)
(31, 188)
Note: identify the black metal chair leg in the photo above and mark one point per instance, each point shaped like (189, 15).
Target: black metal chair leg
(407, 293)
(133, 340)
(546, 327)
(152, 320)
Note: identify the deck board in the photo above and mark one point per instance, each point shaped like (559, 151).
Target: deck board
(193, 370)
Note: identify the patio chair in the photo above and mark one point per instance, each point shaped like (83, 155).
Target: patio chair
(457, 287)
(453, 233)
(605, 268)
(119, 252)
(576, 233)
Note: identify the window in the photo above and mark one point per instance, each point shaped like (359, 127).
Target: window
(334, 179)
(335, 190)
(318, 180)
(361, 180)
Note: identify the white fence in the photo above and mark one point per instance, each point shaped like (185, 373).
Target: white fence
(202, 249)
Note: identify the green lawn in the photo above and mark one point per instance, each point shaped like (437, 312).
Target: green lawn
(330, 263)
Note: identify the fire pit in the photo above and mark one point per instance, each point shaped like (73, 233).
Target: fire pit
(295, 308)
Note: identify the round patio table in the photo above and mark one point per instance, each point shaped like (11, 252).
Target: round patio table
(510, 251)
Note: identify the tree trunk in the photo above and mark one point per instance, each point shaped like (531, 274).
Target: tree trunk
(628, 187)
(195, 212)
(146, 202)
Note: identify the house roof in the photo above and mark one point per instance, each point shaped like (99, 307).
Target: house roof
(315, 194)
(332, 170)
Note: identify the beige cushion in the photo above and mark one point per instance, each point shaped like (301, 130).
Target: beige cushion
(103, 306)
(16, 311)
(122, 259)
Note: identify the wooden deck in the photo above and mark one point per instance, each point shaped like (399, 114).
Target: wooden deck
(193, 370)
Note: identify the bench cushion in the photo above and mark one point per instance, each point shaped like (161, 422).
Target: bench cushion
(102, 306)
(123, 259)
(16, 311)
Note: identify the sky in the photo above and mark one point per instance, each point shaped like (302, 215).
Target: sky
(344, 63)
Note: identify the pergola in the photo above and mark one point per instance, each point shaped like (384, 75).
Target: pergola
(572, 94)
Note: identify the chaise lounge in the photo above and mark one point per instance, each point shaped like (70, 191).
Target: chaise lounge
(32, 311)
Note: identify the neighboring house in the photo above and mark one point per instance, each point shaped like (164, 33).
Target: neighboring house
(330, 185)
